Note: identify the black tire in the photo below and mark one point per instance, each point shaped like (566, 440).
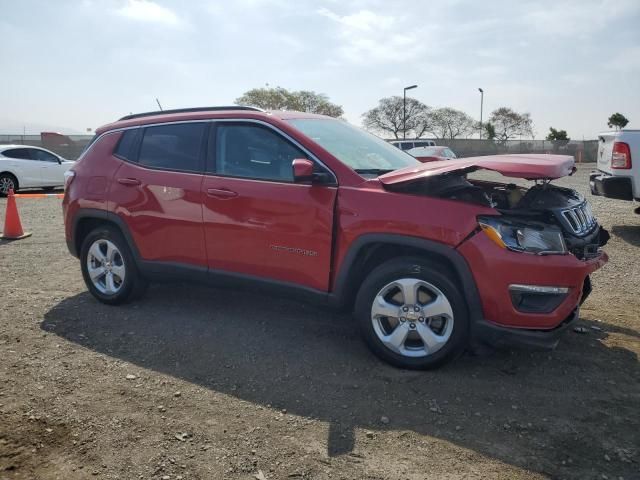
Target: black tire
(414, 268)
(134, 284)
(48, 189)
(5, 179)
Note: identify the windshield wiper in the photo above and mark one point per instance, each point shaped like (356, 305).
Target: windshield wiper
(374, 171)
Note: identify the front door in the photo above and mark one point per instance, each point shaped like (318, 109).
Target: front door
(257, 220)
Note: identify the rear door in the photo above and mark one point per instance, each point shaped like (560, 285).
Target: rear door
(27, 169)
(257, 220)
(156, 191)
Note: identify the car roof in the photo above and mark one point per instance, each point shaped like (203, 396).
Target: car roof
(204, 113)
(15, 145)
(12, 146)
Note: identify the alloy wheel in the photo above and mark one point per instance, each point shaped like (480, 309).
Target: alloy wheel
(6, 184)
(106, 268)
(412, 317)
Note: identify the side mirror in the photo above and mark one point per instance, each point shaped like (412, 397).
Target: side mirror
(302, 170)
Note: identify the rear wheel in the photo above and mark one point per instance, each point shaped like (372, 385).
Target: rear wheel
(8, 182)
(412, 315)
(108, 267)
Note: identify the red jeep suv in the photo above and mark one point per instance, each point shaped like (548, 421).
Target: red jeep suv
(430, 260)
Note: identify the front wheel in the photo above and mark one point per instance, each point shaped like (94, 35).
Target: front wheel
(108, 267)
(412, 315)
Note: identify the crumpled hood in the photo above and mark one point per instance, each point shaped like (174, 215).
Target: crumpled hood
(528, 166)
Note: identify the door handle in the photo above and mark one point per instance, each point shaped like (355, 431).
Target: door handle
(129, 181)
(221, 193)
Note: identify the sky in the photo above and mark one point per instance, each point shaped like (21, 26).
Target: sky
(71, 65)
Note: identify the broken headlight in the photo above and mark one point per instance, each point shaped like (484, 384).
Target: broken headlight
(520, 236)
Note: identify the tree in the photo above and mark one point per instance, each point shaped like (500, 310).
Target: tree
(451, 123)
(557, 135)
(387, 117)
(490, 131)
(559, 138)
(509, 124)
(617, 120)
(279, 98)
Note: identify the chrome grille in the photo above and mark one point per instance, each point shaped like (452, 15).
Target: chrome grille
(580, 219)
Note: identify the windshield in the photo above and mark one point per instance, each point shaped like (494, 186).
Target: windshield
(362, 151)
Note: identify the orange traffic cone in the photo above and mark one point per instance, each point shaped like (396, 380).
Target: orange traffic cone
(12, 226)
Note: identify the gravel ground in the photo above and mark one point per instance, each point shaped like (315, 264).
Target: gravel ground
(193, 382)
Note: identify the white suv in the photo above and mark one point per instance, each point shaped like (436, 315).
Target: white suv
(409, 144)
(617, 176)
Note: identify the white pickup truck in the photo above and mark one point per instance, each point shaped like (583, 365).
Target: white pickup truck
(617, 175)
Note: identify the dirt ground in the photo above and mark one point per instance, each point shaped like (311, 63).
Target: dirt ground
(198, 383)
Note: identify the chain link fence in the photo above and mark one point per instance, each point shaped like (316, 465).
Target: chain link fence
(69, 146)
(581, 150)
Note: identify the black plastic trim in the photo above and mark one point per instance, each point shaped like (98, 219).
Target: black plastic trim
(461, 268)
(534, 302)
(611, 186)
(499, 336)
(160, 271)
(190, 110)
(95, 213)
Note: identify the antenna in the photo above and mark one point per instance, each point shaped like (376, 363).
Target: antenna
(158, 102)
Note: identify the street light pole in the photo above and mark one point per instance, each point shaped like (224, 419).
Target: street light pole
(481, 103)
(404, 110)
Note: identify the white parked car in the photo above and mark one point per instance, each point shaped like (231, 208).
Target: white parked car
(618, 174)
(409, 144)
(23, 166)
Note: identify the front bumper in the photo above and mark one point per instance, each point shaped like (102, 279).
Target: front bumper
(499, 336)
(495, 269)
(610, 186)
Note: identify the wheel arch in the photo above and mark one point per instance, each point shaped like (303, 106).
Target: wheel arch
(370, 250)
(86, 220)
(13, 174)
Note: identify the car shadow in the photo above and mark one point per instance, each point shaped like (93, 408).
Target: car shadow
(628, 233)
(532, 410)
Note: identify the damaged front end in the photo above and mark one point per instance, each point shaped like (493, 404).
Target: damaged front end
(544, 219)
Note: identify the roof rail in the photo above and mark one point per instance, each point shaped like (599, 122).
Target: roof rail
(188, 110)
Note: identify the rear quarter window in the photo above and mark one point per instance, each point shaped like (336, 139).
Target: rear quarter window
(18, 153)
(126, 144)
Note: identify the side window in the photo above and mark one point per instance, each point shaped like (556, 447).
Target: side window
(172, 147)
(252, 151)
(422, 144)
(124, 149)
(406, 146)
(43, 156)
(19, 153)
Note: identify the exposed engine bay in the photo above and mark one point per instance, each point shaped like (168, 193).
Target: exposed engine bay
(541, 205)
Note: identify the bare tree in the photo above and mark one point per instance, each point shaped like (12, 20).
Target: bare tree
(509, 124)
(451, 123)
(387, 117)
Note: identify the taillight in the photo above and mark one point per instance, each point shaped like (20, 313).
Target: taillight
(621, 156)
(69, 175)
